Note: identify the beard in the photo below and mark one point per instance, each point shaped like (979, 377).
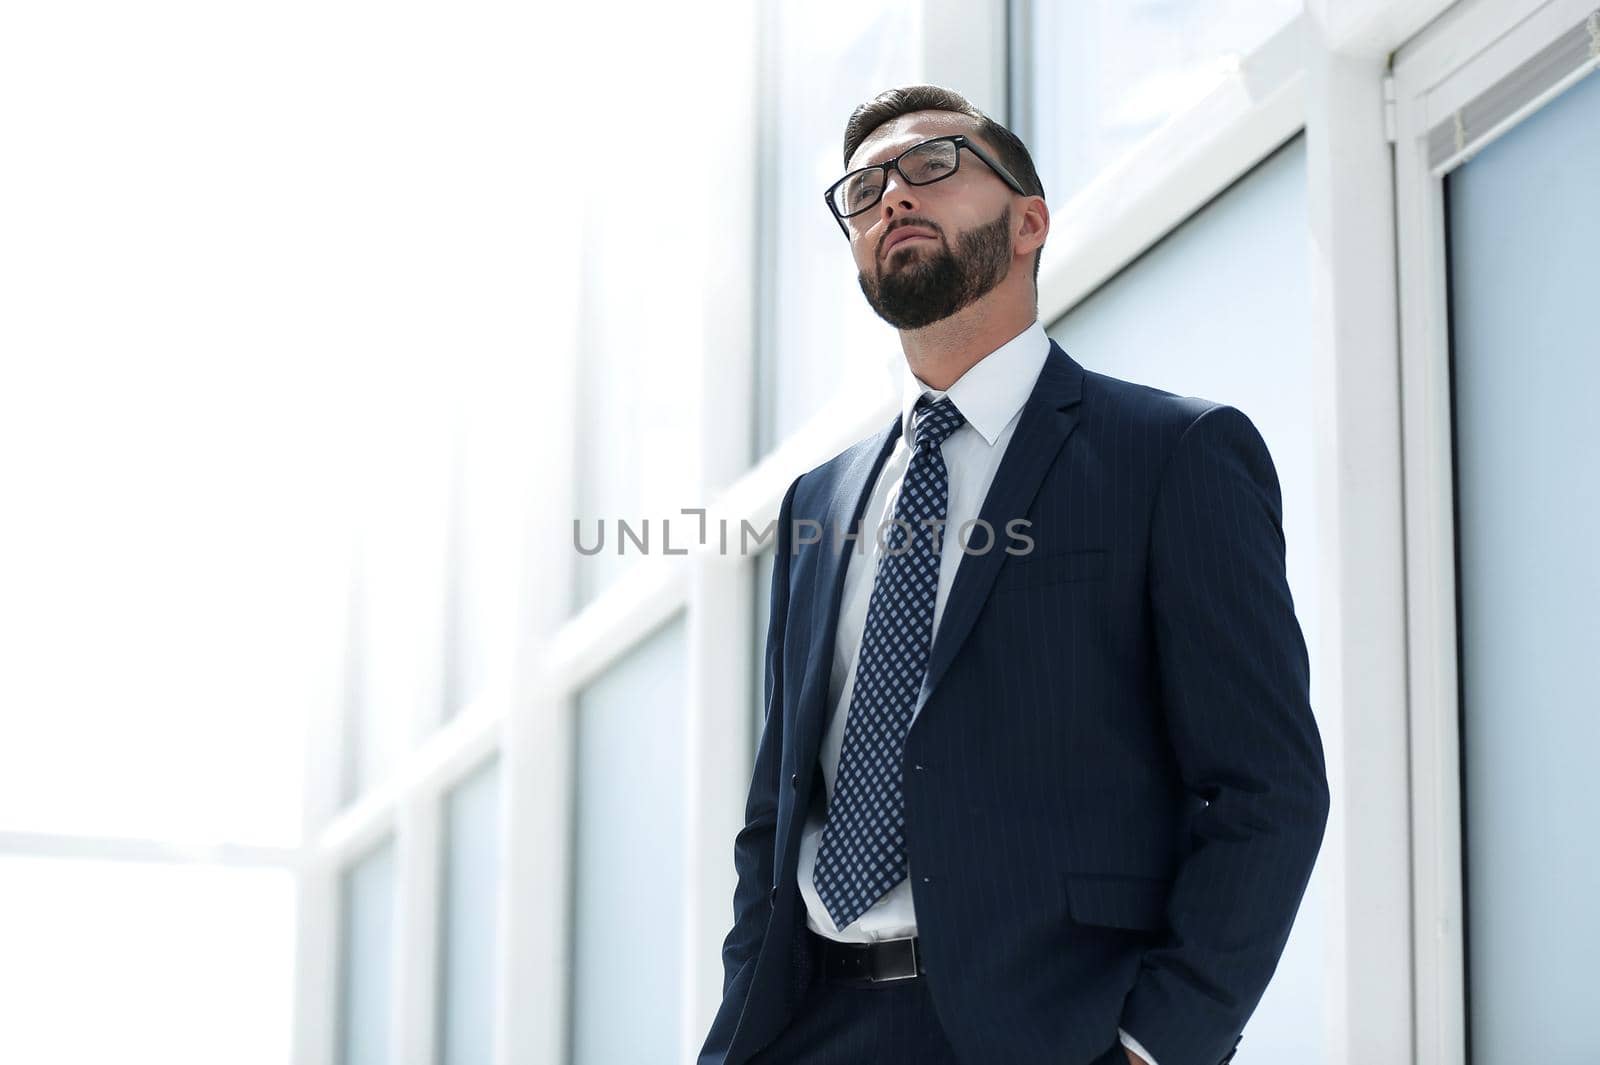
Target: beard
(929, 283)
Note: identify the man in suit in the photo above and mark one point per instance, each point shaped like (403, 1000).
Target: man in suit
(1040, 780)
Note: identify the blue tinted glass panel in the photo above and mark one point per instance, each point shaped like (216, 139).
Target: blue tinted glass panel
(469, 952)
(368, 959)
(628, 898)
(1523, 229)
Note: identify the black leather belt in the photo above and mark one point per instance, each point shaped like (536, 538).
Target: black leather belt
(869, 964)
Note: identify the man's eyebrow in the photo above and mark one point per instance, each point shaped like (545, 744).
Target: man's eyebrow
(886, 155)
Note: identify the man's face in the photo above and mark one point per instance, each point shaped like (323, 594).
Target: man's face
(966, 218)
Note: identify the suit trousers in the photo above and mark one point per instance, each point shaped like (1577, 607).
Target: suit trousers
(891, 1023)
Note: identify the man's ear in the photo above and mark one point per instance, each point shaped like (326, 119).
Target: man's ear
(1035, 225)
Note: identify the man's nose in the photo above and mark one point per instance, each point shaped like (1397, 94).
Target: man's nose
(898, 195)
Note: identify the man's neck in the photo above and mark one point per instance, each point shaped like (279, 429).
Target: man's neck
(940, 353)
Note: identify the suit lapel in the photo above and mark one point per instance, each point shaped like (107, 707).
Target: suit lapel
(1047, 419)
(847, 502)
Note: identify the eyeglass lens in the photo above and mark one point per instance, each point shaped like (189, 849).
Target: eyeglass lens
(922, 165)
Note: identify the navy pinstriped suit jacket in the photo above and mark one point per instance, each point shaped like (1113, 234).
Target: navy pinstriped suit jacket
(1115, 788)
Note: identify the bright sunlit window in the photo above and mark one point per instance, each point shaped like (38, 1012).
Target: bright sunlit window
(1107, 73)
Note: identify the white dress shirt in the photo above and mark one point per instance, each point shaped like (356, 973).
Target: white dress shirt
(990, 396)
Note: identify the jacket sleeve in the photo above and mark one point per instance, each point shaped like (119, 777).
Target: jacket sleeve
(753, 848)
(1235, 683)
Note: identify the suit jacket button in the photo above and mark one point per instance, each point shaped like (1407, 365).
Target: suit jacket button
(773, 895)
(794, 780)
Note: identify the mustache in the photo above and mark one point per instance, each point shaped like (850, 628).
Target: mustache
(910, 223)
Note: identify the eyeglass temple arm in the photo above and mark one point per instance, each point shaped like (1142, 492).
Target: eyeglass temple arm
(989, 161)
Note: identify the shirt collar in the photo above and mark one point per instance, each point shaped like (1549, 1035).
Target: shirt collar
(992, 390)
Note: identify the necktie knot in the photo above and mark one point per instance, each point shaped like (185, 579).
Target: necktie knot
(935, 420)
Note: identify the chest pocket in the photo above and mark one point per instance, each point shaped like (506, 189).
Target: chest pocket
(1089, 564)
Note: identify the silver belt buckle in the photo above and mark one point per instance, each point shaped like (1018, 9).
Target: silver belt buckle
(894, 974)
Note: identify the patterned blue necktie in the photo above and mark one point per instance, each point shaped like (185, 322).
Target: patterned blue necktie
(863, 849)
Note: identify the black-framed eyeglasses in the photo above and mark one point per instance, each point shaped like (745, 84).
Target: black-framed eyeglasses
(921, 164)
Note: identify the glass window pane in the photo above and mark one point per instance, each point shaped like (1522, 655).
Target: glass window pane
(1522, 236)
(398, 637)
(643, 301)
(368, 959)
(113, 961)
(638, 415)
(629, 857)
(1221, 308)
(1108, 72)
(820, 339)
(468, 954)
(487, 542)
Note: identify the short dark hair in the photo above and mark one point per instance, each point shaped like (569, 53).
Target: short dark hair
(892, 103)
